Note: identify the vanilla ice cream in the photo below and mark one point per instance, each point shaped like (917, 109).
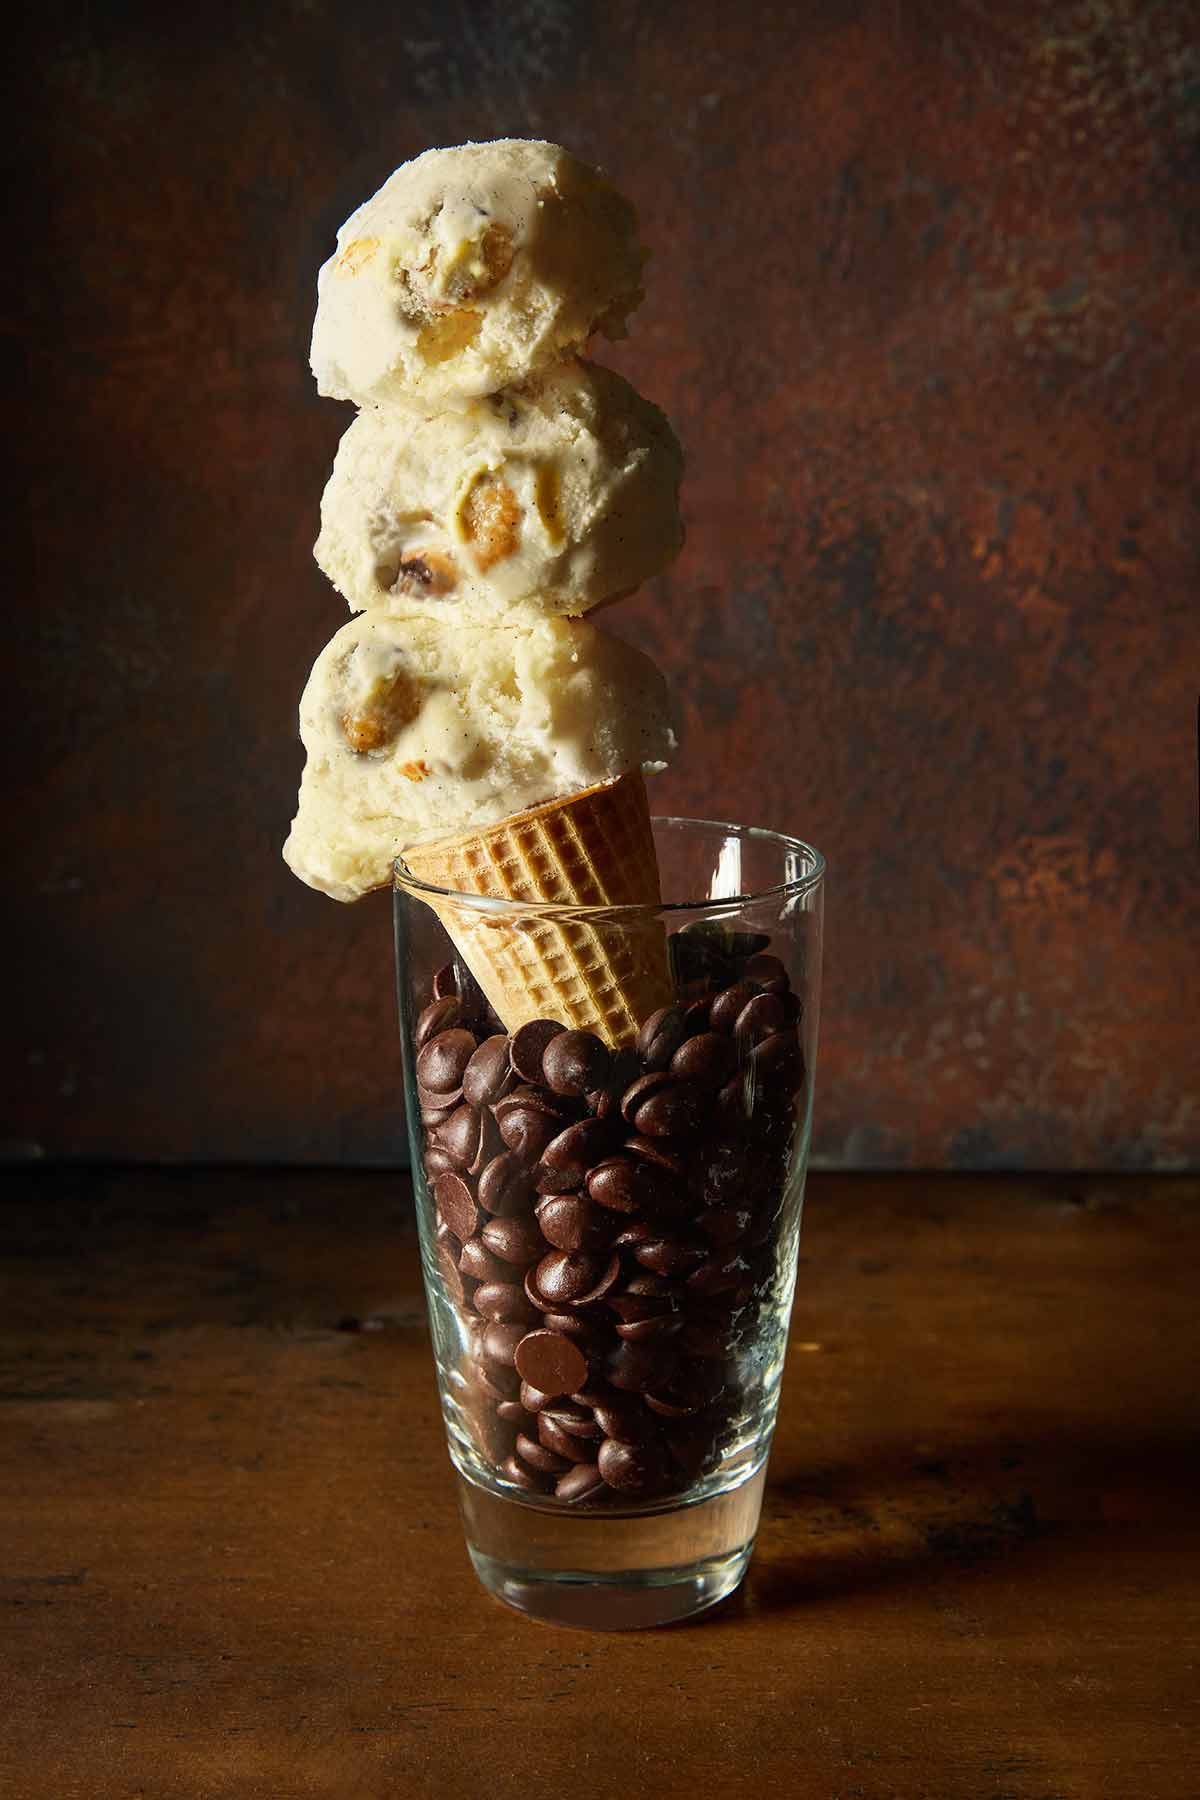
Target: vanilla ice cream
(472, 268)
(563, 492)
(413, 731)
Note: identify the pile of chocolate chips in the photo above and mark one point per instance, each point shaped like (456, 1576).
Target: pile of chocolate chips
(607, 1221)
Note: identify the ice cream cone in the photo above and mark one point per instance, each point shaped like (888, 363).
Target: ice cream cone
(592, 848)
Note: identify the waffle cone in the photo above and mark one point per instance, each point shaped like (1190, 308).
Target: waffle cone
(593, 848)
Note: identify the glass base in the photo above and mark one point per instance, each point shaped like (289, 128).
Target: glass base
(611, 1571)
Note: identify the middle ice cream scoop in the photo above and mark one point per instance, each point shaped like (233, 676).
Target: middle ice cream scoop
(563, 493)
(415, 732)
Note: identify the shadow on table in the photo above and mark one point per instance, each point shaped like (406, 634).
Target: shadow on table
(896, 1518)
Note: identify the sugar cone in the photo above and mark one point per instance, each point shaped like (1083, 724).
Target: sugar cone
(593, 848)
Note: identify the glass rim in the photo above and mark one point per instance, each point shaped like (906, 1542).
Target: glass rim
(403, 880)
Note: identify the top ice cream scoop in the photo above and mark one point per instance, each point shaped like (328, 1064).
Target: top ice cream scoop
(470, 269)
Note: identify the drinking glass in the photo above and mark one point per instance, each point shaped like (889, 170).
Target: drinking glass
(609, 1232)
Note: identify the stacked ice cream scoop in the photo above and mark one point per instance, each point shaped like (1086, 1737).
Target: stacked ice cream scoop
(493, 487)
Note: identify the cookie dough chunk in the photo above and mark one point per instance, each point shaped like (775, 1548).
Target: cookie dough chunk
(473, 268)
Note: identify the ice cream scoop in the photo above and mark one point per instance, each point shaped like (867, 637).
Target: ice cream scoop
(471, 268)
(562, 492)
(414, 731)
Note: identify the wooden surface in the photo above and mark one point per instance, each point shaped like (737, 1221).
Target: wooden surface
(922, 305)
(230, 1562)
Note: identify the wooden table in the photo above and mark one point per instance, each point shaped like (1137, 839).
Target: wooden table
(232, 1566)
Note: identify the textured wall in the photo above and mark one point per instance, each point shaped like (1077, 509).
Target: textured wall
(924, 308)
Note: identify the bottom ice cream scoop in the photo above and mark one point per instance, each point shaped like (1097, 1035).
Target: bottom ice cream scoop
(414, 732)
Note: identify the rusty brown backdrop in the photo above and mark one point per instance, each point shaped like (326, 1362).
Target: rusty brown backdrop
(924, 308)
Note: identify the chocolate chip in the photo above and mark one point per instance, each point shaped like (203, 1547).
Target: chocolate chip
(721, 1168)
(598, 1393)
(526, 1129)
(706, 1340)
(495, 1380)
(660, 1037)
(630, 1307)
(511, 1411)
(555, 1181)
(723, 1012)
(635, 1368)
(500, 1342)
(574, 1062)
(734, 1104)
(641, 1090)
(505, 1302)
(743, 944)
(444, 982)
(625, 1419)
(515, 1241)
(673, 1111)
(793, 1006)
(671, 1409)
(654, 1287)
(697, 953)
(759, 1018)
(662, 1155)
(551, 1363)
(538, 1457)
(618, 1184)
(520, 1476)
(579, 1483)
(429, 1099)
(778, 1059)
(532, 1399)
(656, 1326)
(532, 1293)
(456, 1204)
(555, 1106)
(695, 1014)
(437, 1160)
(505, 1187)
(580, 1329)
(577, 1421)
(691, 1447)
(490, 1144)
(570, 1222)
(551, 1434)
(477, 1261)
(565, 1274)
(439, 1015)
(605, 1101)
(571, 1153)
(488, 1075)
(718, 1274)
(452, 1279)
(631, 1468)
(723, 1225)
(768, 971)
(441, 1062)
(433, 1116)
(527, 1047)
(669, 1256)
(609, 1276)
(708, 1059)
(461, 1135)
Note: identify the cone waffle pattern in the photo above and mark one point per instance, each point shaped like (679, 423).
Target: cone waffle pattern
(593, 848)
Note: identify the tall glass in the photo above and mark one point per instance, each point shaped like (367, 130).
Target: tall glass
(609, 1235)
